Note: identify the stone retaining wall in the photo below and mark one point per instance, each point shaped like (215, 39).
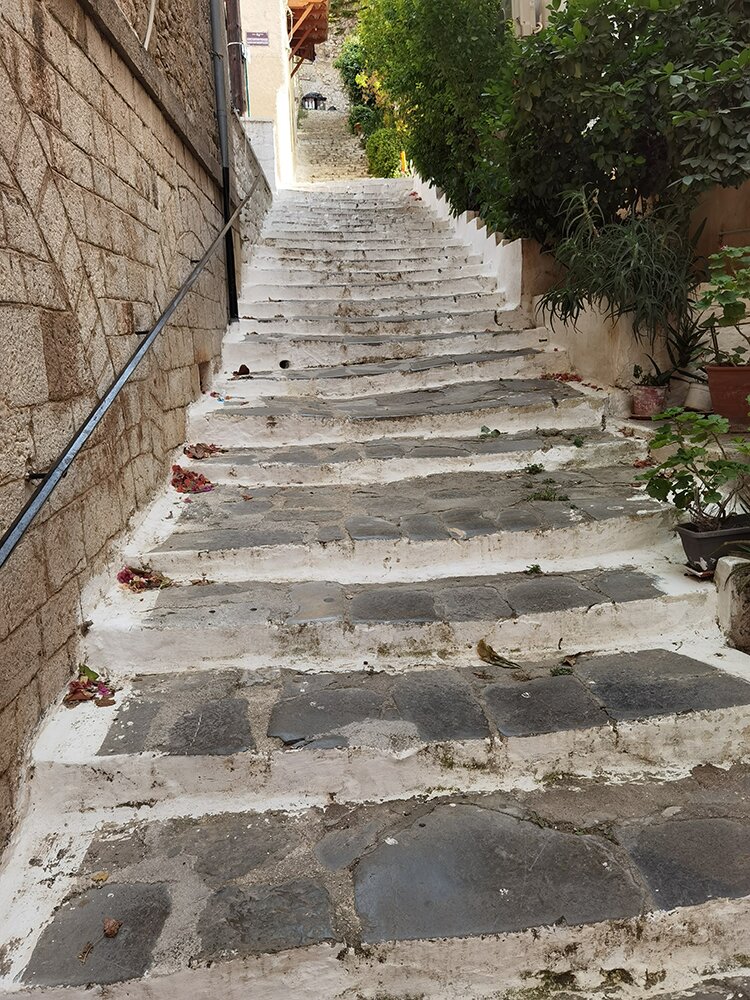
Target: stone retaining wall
(109, 192)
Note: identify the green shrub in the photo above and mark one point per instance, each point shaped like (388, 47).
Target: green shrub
(368, 119)
(350, 64)
(442, 66)
(641, 100)
(384, 152)
(641, 266)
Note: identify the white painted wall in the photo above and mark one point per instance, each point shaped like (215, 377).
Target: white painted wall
(503, 259)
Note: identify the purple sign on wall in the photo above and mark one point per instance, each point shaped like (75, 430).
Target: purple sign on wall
(256, 38)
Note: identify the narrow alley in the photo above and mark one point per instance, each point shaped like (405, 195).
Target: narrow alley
(429, 707)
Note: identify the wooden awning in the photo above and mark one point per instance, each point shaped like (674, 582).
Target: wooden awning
(308, 27)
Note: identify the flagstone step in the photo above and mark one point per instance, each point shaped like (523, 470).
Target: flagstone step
(403, 307)
(299, 282)
(416, 243)
(512, 404)
(347, 381)
(442, 525)
(469, 890)
(525, 617)
(389, 323)
(260, 291)
(334, 230)
(320, 270)
(283, 735)
(374, 258)
(384, 460)
(268, 351)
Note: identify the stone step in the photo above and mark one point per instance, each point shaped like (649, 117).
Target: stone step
(365, 218)
(451, 411)
(258, 286)
(348, 381)
(285, 736)
(321, 272)
(525, 617)
(263, 352)
(376, 259)
(421, 248)
(445, 525)
(385, 460)
(385, 305)
(340, 230)
(385, 324)
(519, 890)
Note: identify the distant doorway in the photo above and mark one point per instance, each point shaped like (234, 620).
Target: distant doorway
(314, 102)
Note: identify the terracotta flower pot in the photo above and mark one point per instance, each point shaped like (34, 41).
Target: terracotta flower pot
(730, 387)
(648, 400)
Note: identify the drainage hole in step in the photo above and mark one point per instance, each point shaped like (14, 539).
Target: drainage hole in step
(283, 364)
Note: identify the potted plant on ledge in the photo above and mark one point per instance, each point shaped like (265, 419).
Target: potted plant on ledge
(649, 392)
(707, 478)
(726, 298)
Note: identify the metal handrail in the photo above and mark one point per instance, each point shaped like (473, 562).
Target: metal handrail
(51, 480)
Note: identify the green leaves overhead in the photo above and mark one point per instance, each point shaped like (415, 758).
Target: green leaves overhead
(642, 101)
(445, 69)
(645, 101)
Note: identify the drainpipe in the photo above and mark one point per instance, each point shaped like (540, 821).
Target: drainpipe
(218, 46)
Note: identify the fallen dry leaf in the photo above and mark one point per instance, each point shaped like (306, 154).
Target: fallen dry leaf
(111, 927)
(142, 579)
(187, 481)
(100, 877)
(562, 377)
(202, 450)
(84, 954)
(487, 653)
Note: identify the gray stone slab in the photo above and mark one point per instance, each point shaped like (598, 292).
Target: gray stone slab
(471, 603)
(78, 923)
(543, 705)
(317, 602)
(627, 584)
(464, 870)
(216, 727)
(689, 861)
(424, 528)
(393, 605)
(320, 713)
(247, 920)
(362, 528)
(200, 711)
(659, 682)
(441, 705)
(225, 846)
(130, 731)
(549, 593)
(340, 848)
(468, 523)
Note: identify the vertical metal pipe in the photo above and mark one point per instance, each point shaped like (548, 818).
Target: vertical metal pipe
(218, 46)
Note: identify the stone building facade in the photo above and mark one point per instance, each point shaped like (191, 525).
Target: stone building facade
(110, 189)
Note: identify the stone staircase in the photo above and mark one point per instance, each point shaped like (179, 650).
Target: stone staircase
(326, 149)
(427, 712)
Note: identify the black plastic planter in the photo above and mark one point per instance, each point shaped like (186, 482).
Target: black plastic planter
(705, 548)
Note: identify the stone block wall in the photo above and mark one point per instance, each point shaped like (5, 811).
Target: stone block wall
(108, 192)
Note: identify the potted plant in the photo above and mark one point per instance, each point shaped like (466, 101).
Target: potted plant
(706, 478)
(649, 393)
(725, 299)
